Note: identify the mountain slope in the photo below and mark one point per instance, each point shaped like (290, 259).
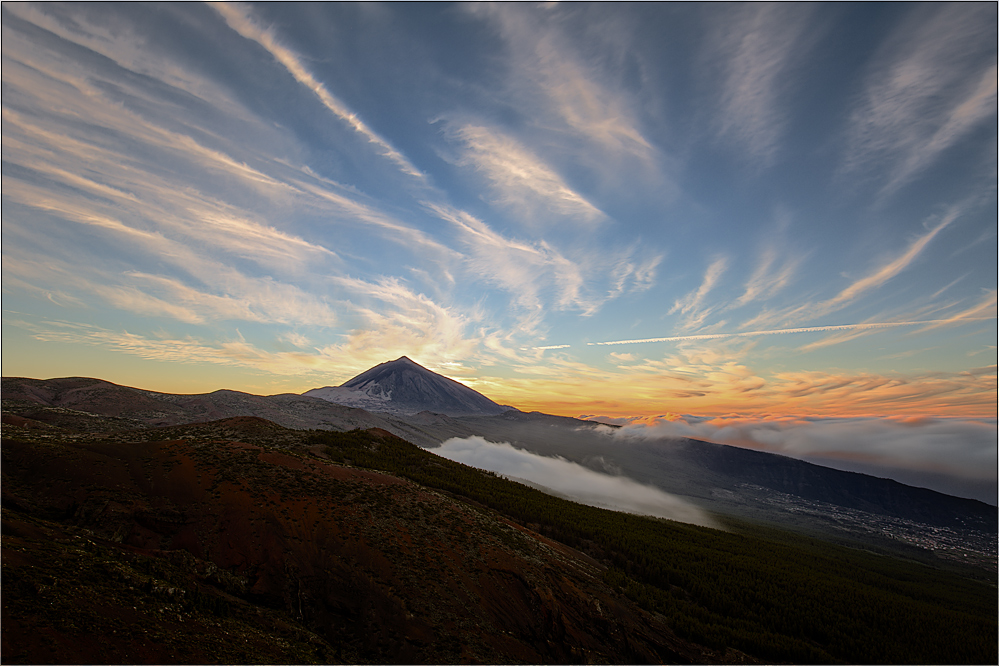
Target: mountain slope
(769, 593)
(760, 486)
(403, 386)
(728, 480)
(234, 541)
(94, 405)
(240, 541)
(699, 469)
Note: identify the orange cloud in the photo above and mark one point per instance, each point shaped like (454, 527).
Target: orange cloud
(685, 385)
(961, 447)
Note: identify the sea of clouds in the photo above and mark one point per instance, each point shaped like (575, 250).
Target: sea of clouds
(561, 477)
(955, 456)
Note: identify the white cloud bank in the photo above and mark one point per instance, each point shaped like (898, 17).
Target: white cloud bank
(963, 449)
(572, 480)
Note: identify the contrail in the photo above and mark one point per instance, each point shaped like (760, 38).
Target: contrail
(808, 329)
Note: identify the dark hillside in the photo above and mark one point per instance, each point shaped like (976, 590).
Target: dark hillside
(778, 596)
(230, 542)
(241, 541)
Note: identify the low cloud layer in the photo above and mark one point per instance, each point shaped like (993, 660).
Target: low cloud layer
(571, 480)
(963, 449)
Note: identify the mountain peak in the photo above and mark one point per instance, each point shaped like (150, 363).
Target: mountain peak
(404, 386)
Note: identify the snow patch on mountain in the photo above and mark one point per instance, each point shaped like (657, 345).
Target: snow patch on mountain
(403, 386)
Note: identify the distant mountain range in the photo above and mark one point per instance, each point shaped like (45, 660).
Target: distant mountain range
(427, 409)
(93, 405)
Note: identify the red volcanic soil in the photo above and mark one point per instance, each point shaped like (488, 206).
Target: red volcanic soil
(196, 549)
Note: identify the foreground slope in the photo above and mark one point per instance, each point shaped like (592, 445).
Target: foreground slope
(769, 593)
(215, 543)
(241, 541)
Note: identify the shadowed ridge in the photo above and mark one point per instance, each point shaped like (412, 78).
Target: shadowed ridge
(230, 551)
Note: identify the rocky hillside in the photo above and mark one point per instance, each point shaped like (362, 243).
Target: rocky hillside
(235, 541)
(241, 541)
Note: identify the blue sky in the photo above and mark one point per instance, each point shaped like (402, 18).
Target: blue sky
(771, 209)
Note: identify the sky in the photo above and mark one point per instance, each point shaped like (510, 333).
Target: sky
(647, 214)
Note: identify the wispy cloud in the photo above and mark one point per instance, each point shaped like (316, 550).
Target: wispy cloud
(161, 195)
(567, 83)
(295, 339)
(632, 275)
(932, 84)
(888, 270)
(182, 349)
(768, 277)
(984, 310)
(970, 393)
(240, 19)
(393, 230)
(418, 328)
(119, 43)
(726, 377)
(978, 106)
(691, 305)
(389, 320)
(259, 298)
(759, 45)
(525, 270)
(178, 221)
(231, 296)
(521, 181)
(545, 60)
(810, 311)
(561, 385)
(50, 149)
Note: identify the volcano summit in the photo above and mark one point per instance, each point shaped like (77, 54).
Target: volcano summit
(403, 386)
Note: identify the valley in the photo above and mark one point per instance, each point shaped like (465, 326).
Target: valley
(969, 546)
